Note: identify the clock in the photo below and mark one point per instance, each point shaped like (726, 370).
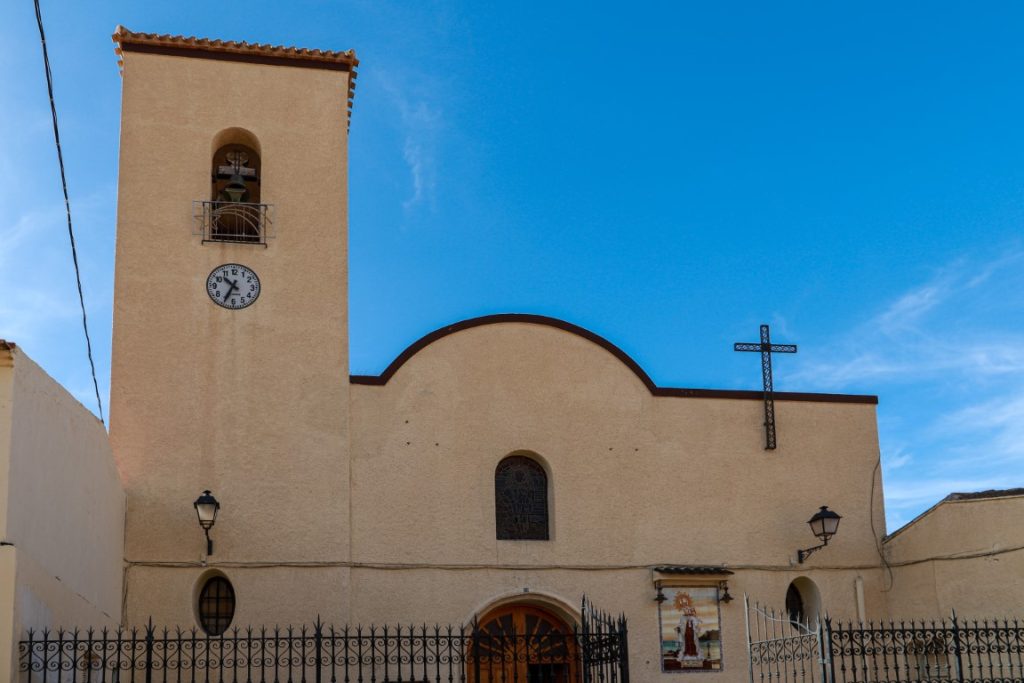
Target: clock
(233, 286)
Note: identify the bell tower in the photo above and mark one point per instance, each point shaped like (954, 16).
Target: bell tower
(230, 341)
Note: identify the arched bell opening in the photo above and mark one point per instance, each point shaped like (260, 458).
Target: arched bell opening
(235, 211)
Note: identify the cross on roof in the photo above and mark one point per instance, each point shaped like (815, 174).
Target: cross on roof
(766, 349)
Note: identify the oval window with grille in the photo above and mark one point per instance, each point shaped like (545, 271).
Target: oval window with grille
(216, 605)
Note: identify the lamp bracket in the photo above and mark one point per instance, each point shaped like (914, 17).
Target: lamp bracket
(802, 555)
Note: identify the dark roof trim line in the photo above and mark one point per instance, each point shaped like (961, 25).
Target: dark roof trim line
(624, 358)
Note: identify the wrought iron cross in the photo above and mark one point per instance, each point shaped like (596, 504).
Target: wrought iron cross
(766, 349)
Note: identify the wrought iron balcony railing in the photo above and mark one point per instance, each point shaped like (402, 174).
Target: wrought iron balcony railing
(240, 222)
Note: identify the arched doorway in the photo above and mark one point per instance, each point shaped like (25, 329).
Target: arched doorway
(522, 644)
(803, 602)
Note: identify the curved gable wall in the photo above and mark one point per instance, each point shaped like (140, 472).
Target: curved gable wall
(636, 477)
(525, 318)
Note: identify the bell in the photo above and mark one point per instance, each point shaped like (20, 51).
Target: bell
(236, 189)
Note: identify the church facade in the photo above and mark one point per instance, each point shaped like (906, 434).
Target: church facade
(500, 467)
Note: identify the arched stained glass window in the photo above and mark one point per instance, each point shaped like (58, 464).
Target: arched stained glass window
(520, 500)
(216, 605)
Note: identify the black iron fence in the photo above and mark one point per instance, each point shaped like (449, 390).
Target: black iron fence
(594, 651)
(953, 650)
(961, 650)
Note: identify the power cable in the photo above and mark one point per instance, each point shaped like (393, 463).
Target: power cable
(67, 208)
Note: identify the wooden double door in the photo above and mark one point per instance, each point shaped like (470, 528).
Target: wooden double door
(522, 644)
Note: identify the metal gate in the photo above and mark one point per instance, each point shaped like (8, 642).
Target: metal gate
(782, 649)
(953, 650)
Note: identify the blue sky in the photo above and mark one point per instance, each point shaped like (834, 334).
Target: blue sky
(667, 175)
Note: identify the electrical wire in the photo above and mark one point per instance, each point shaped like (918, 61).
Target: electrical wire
(871, 515)
(353, 564)
(67, 208)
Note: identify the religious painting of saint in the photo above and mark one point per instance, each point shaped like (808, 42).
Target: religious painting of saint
(691, 637)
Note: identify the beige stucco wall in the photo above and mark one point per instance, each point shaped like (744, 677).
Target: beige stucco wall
(61, 510)
(963, 555)
(635, 481)
(251, 404)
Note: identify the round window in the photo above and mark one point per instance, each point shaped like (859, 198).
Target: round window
(216, 605)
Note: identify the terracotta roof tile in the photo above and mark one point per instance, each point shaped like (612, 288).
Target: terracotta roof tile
(227, 49)
(123, 36)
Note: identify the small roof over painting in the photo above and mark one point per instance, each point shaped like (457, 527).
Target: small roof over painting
(693, 570)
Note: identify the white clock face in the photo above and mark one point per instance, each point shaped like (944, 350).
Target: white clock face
(233, 286)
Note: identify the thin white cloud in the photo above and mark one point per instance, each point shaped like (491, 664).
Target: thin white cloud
(928, 332)
(950, 341)
(421, 121)
(897, 458)
(911, 307)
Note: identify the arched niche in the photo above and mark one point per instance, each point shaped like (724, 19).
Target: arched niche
(236, 212)
(803, 601)
(236, 136)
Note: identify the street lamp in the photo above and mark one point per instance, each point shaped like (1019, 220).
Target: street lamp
(206, 508)
(823, 524)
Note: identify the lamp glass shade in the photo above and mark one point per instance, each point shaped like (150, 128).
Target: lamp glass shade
(824, 523)
(206, 508)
